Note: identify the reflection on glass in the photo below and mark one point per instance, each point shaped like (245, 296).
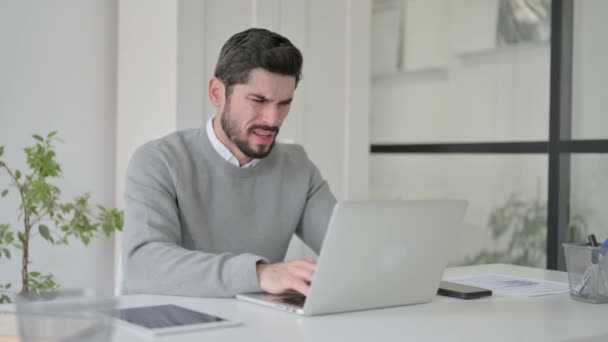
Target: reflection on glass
(506, 220)
(589, 70)
(589, 195)
(523, 21)
(479, 92)
(519, 230)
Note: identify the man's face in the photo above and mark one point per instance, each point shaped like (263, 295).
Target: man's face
(255, 110)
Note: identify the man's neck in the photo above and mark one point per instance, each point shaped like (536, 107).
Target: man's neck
(223, 138)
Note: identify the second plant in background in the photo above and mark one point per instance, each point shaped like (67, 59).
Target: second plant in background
(519, 231)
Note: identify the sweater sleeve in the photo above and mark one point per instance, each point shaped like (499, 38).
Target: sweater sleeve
(317, 211)
(154, 260)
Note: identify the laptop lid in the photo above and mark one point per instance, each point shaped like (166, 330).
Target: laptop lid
(384, 253)
(379, 254)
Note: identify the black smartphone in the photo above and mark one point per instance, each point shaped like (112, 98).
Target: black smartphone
(449, 289)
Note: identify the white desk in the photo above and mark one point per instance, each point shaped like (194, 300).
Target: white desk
(550, 318)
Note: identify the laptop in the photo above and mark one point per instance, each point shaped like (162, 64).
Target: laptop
(377, 254)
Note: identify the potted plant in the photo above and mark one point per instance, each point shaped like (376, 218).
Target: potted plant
(43, 215)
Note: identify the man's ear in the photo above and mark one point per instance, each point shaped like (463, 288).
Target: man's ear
(217, 92)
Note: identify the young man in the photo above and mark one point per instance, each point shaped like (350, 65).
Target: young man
(210, 212)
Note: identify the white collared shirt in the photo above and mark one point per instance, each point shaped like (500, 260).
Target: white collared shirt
(222, 150)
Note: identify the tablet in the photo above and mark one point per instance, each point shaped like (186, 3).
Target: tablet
(167, 319)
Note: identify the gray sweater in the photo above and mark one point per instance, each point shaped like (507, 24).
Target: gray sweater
(196, 225)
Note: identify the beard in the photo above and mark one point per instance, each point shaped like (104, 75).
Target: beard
(235, 135)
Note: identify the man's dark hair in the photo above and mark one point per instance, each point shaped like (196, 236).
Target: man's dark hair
(257, 48)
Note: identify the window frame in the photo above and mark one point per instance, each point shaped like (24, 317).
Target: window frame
(559, 147)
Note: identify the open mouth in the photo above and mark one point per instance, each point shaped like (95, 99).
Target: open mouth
(263, 136)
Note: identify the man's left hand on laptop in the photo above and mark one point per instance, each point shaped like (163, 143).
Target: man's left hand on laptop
(285, 276)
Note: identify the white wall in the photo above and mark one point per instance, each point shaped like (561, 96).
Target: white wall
(147, 57)
(147, 78)
(58, 72)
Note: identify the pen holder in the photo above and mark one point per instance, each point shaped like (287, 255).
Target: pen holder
(587, 272)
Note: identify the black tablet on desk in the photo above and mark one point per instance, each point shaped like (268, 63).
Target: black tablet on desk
(167, 319)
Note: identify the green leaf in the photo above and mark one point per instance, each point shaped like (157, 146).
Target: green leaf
(2, 163)
(9, 238)
(21, 237)
(7, 286)
(41, 160)
(85, 239)
(45, 232)
(52, 134)
(37, 137)
(4, 299)
(17, 174)
(1, 150)
(7, 253)
(4, 192)
(42, 283)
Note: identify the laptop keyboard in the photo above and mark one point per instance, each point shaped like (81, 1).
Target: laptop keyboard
(295, 300)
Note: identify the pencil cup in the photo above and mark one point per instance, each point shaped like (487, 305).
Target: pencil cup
(587, 272)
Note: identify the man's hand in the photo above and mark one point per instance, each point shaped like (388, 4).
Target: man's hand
(284, 276)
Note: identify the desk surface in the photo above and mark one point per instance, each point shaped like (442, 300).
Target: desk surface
(496, 318)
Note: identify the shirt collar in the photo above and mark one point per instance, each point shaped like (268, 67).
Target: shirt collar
(222, 150)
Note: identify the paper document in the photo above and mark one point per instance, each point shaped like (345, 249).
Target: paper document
(512, 286)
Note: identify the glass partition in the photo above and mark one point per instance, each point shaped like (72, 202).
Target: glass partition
(506, 220)
(589, 70)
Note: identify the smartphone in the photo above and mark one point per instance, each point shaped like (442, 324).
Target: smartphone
(449, 289)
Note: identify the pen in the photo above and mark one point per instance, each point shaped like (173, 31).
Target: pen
(592, 240)
(604, 248)
(592, 269)
(602, 269)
